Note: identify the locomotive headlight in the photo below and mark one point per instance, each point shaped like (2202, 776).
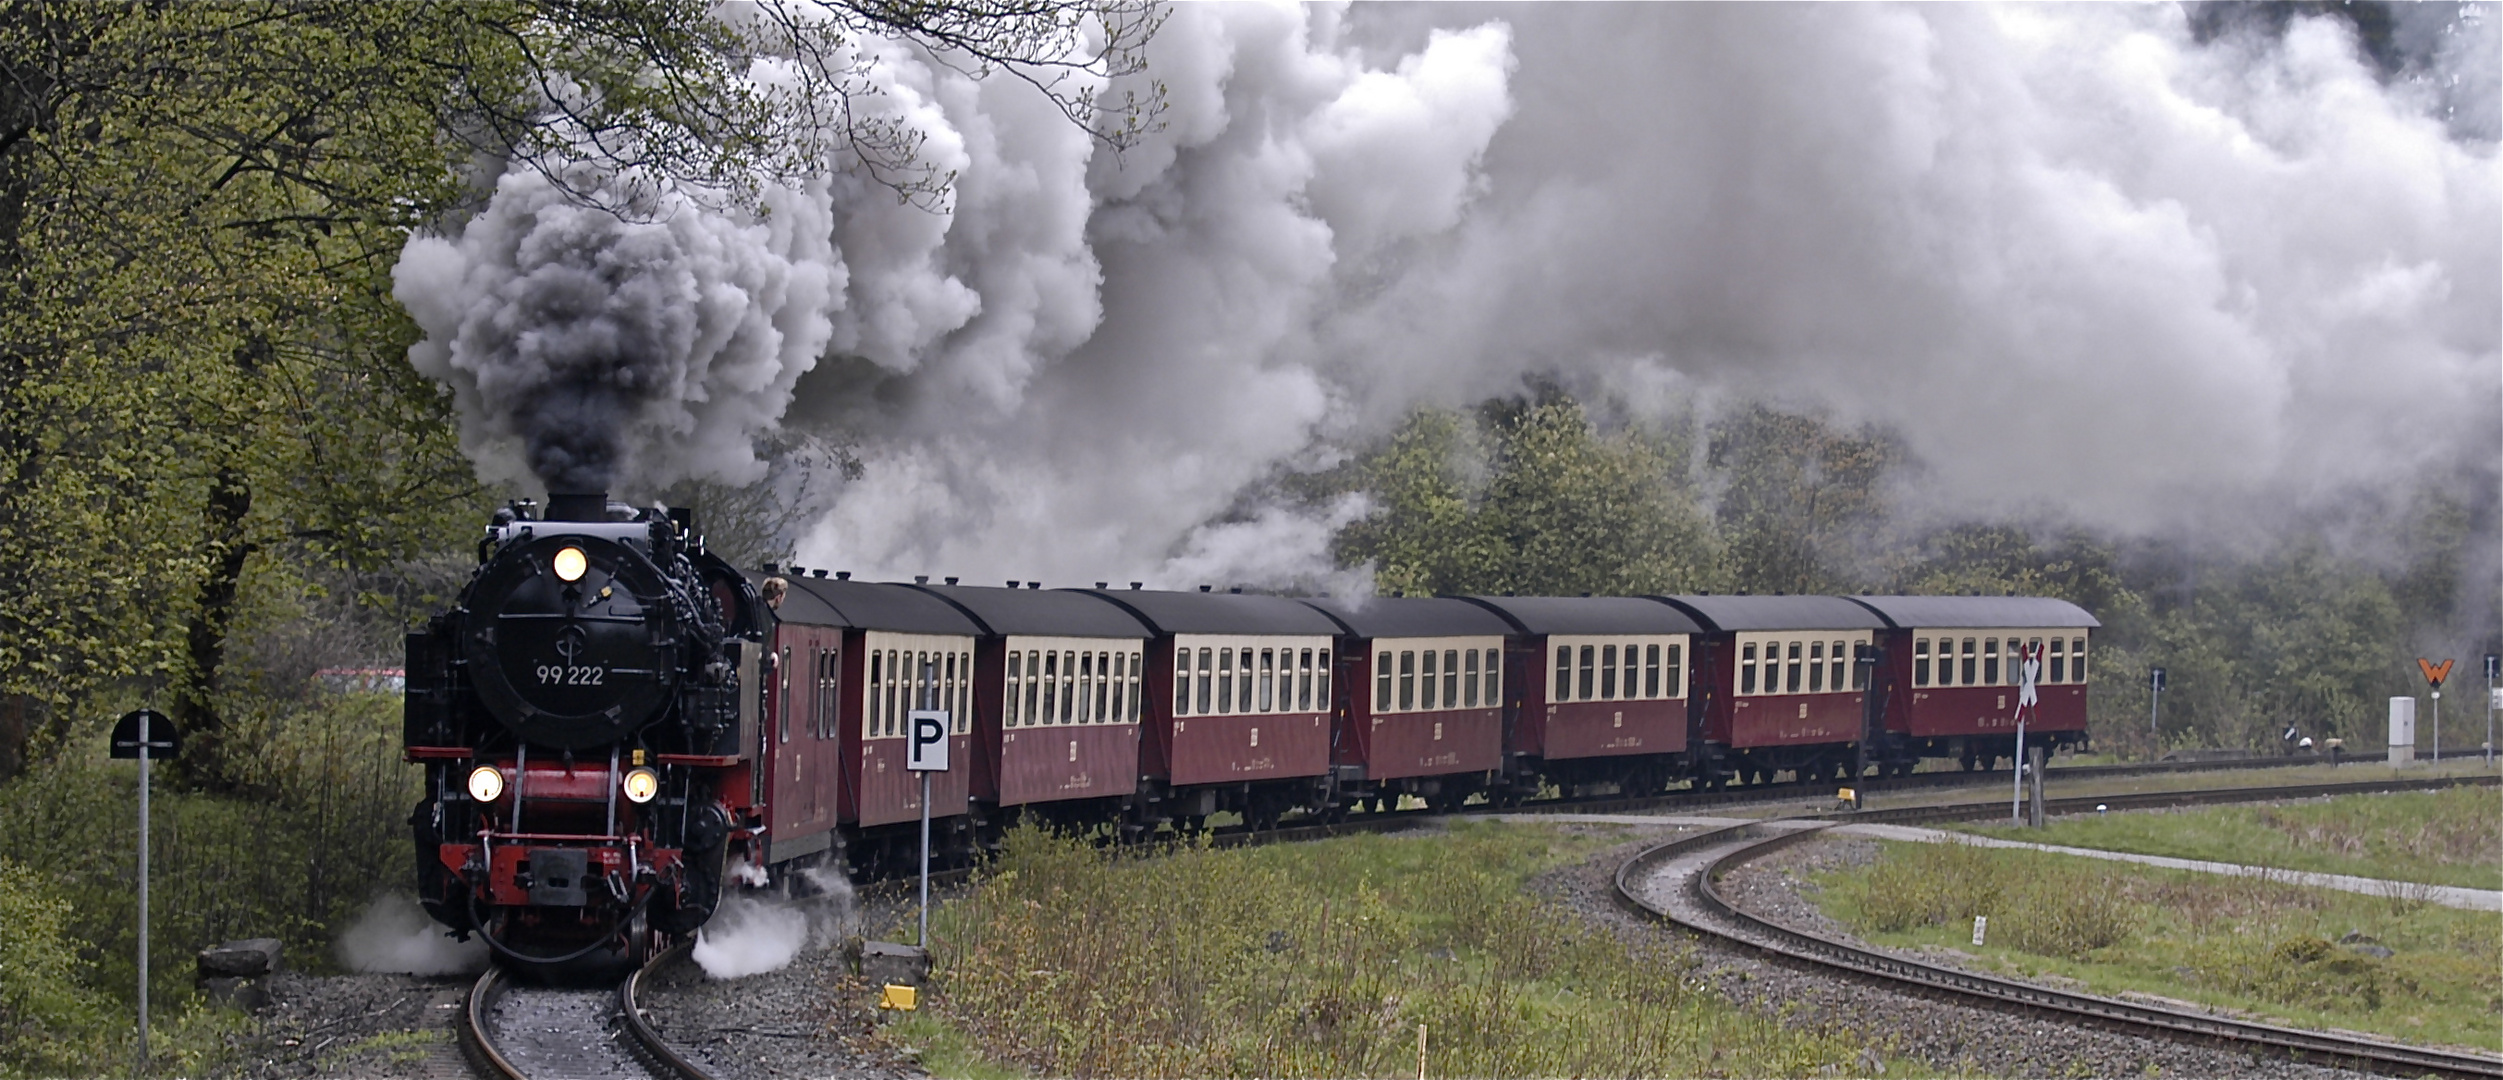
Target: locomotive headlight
(641, 785)
(570, 563)
(486, 783)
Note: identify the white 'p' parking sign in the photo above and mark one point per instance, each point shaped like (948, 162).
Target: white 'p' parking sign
(926, 743)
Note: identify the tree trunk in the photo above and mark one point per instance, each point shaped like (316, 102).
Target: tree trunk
(204, 731)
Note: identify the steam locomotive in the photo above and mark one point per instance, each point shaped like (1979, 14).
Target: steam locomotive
(581, 714)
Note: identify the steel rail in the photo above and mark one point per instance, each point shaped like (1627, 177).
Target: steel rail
(1775, 939)
(478, 1046)
(664, 1059)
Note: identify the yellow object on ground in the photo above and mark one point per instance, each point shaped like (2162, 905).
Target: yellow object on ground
(906, 998)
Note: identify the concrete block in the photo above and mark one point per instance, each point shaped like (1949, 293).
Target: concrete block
(884, 963)
(240, 959)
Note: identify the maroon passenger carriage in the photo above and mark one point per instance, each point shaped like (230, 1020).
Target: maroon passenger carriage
(1058, 688)
(1783, 690)
(1237, 703)
(1420, 701)
(1949, 682)
(851, 660)
(1598, 692)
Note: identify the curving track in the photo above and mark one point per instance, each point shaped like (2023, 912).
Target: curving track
(542, 1033)
(1675, 882)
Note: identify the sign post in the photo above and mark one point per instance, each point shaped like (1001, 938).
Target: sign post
(2155, 699)
(2494, 669)
(2434, 674)
(926, 753)
(147, 735)
(2027, 669)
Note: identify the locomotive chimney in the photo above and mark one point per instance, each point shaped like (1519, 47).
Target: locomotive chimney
(577, 506)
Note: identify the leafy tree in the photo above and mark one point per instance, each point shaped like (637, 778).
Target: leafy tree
(1797, 495)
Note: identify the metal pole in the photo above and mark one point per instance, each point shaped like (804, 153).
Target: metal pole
(2037, 787)
(2489, 719)
(146, 752)
(2016, 796)
(2437, 727)
(925, 860)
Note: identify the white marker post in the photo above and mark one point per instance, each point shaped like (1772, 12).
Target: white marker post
(926, 753)
(2026, 672)
(146, 735)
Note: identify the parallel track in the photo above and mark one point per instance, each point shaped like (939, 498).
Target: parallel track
(645, 1055)
(1726, 922)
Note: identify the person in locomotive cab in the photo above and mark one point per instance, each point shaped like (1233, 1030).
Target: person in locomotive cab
(772, 591)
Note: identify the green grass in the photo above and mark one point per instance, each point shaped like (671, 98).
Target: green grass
(2451, 837)
(2252, 944)
(1323, 959)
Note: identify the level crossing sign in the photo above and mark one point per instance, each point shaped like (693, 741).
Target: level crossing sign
(926, 749)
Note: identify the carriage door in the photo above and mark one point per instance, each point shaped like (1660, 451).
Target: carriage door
(824, 746)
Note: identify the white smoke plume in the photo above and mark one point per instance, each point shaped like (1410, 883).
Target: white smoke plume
(2091, 262)
(395, 935)
(751, 933)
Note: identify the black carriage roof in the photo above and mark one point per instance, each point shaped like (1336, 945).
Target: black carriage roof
(1054, 612)
(2005, 612)
(867, 605)
(1725, 614)
(1412, 617)
(1587, 614)
(1218, 613)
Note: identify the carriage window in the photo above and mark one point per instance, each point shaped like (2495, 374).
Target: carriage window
(1607, 672)
(1672, 680)
(1051, 688)
(1107, 680)
(1590, 672)
(1470, 694)
(1016, 688)
(1120, 688)
(1426, 696)
(1494, 688)
(1451, 677)
(1321, 679)
(1969, 670)
(1651, 671)
(1860, 671)
(1631, 669)
(1747, 669)
(1816, 666)
(1838, 656)
(1138, 673)
(782, 695)
(1796, 669)
(1920, 662)
(1091, 674)
(1243, 678)
(1268, 680)
(948, 701)
(1303, 681)
(1225, 680)
(1202, 696)
(1564, 673)
(1407, 680)
(1382, 683)
(1990, 660)
(2077, 659)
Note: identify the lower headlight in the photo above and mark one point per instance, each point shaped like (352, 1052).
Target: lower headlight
(641, 785)
(486, 783)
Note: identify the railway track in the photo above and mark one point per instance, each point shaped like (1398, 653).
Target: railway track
(1675, 882)
(512, 1032)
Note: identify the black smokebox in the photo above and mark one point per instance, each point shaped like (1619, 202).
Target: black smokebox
(577, 506)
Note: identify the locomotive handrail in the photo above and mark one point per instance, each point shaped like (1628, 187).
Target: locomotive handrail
(1781, 940)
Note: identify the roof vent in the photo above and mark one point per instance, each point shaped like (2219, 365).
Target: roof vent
(798, 571)
(1586, 594)
(1741, 592)
(1237, 590)
(818, 573)
(1325, 594)
(1103, 584)
(772, 568)
(1137, 585)
(921, 579)
(1203, 588)
(951, 581)
(2010, 592)
(1778, 592)
(1034, 584)
(842, 575)
(1014, 584)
